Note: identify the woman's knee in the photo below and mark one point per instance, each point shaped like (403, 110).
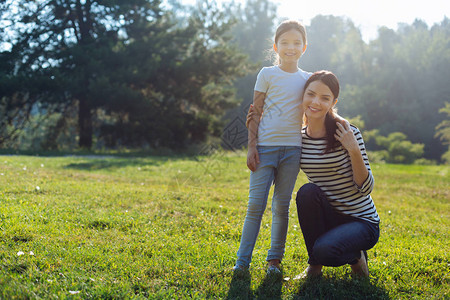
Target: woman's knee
(325, 253)
(307, 194)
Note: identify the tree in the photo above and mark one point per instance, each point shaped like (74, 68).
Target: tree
(402, 85)
(253, 34)
(443, 132)
(135, 76)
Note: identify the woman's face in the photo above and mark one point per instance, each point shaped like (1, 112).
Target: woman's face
(317, 100)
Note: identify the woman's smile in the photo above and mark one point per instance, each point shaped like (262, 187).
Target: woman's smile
(313, 109)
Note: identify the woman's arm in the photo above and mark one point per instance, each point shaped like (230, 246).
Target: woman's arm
(345, 135)
(252, 156)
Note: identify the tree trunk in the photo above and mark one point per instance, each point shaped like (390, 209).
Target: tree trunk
(84, 124)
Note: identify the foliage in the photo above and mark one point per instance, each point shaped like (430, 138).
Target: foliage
(396, 82)
(357, 121)
(169, 228)
(394, 148)
(169, 75)
(443, 131)
(152, 80)
(253, 35)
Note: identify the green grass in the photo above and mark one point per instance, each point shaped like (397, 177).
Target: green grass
(169, 228)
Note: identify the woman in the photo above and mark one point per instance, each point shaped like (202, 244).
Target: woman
(336, 213)
(337, 216)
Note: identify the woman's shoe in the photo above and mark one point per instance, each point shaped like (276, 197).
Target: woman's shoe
(310, 272)
(361, 268)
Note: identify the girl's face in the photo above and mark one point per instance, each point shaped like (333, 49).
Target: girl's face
(290, 46)
(317, 100)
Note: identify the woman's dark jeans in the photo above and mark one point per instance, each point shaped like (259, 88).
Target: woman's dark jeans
(331, 238)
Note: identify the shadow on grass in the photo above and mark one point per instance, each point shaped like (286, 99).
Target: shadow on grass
(240, 286)
(110, 162)
(329, 288)
(99, 163)
(340, 288)
(270, 288)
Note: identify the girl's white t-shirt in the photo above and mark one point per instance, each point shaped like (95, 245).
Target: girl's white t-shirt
(281, 121)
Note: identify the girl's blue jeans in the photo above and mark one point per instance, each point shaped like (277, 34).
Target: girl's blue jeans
(278, 165)
(331, 238)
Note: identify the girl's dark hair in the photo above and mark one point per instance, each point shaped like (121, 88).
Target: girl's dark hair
(288, 25)
(331, 81)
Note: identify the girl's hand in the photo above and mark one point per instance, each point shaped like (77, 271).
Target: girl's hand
(252, 158)
(344, 134)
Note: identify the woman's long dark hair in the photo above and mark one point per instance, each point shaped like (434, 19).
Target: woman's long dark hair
(331, 81)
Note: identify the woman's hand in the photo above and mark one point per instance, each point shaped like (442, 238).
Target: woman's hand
(252, 158)
(342, 120)
(344, 134)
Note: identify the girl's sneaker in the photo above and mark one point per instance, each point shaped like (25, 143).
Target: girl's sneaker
(274, 266)
(272, 269)
(239, 268)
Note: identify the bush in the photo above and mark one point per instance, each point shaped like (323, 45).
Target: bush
(378, 156)
(395, 148)
(446, 157)
(425, 162)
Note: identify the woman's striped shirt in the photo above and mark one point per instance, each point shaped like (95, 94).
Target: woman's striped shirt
(332, 172)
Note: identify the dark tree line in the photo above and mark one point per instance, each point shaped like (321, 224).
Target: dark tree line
(111, 73)
(131, 72)
(396, 83)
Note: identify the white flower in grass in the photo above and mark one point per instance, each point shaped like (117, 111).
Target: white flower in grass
(24, 168)
(1, 174)
(38, 188)
(42, 165)
(389, 212)
(20, 253)
(31, 253)
(74, 292)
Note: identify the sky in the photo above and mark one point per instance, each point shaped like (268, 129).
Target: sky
(367, 15)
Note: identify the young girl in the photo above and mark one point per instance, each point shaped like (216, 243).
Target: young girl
(274, 143)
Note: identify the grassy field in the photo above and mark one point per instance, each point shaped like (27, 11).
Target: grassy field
(169, 228)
